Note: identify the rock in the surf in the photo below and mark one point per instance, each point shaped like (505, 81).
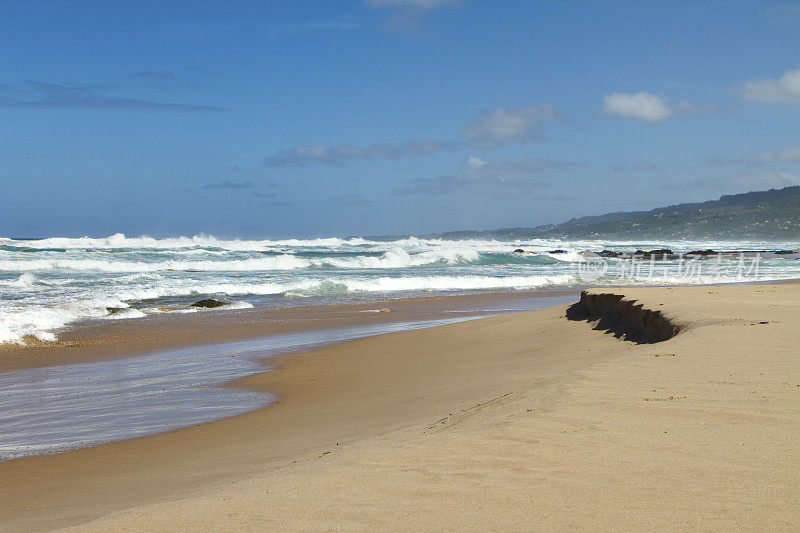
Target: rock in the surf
(609, 253)
(703, 252)
(661, 252)
(209, 303)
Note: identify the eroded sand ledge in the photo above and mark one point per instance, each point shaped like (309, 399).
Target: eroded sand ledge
(624, 317)
(514, 422)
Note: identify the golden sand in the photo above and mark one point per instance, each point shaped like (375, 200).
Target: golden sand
(517, 422)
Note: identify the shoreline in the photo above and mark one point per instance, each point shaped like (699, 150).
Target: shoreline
(514, 421)
(112, 339)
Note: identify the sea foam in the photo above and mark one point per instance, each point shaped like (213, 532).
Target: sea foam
(48, 284)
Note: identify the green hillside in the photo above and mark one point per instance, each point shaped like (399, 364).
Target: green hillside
(772, 214)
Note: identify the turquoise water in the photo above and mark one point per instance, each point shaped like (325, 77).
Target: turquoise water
(47, 284)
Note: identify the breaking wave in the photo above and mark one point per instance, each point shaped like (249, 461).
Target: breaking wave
(48, 284)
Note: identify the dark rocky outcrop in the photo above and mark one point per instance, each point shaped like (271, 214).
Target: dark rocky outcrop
(519, 251)
(785, 252)
(610, 253)
(703, 252)
(559, 251)
(623, 318)
(661, 253)
(114, 310)
(208, 303)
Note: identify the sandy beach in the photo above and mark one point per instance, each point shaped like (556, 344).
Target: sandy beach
(400, 265)
(520, 421)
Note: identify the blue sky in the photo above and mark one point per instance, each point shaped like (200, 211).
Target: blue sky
(255, 119)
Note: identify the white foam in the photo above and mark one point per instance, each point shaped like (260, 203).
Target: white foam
(237, 305)
(48, 284)
(393, 258)
(125, 313)
(119, 240)
(426, 283)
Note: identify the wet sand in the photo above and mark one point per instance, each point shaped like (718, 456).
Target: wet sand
(108, 339)
(520, 421)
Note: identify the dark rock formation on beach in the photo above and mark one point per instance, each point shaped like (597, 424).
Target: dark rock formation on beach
(624, 318)
(209, 303)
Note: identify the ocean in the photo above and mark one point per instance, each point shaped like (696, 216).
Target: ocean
(48, 284)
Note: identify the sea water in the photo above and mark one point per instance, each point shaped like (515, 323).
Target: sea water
(52, 409)
(47, 284)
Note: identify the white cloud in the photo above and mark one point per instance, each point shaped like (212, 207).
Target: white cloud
(475, 162)
(502, 125)
(643, 106)
(754, 182)
(784, 13)
(301, 155)
(490, 129)
(408, 15)
(786, 155)
(780, 179)
(764, 180)
(497, 178)
(785, 89)
(789, 154)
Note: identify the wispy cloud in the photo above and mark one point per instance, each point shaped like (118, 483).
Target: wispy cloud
(789, 154)
(230, 185)
(504, 125)
(784, 13)
(749, 181)
(497, 178)
(408, 15)
(785, 89)
(302, 155)
(490, 129)
(778, 178)
(785, 155)
(644, 106)
(349, 199)
(42, 95)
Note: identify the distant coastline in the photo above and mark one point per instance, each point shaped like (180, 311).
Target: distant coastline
(766, 215)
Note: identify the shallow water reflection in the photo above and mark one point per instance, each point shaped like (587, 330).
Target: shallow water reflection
(47, 410)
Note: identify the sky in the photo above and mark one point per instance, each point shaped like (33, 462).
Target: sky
(259, 119)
